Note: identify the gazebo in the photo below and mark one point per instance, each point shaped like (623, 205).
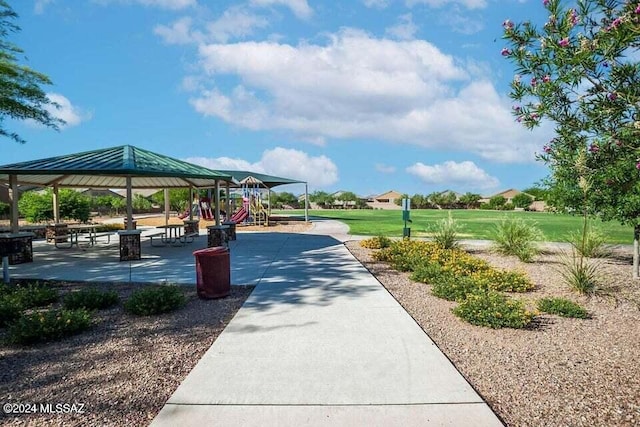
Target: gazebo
(125, 166)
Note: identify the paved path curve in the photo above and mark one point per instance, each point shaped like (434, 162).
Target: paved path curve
(321, 342)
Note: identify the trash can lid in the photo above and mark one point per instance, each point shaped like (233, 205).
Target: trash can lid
(211, 251)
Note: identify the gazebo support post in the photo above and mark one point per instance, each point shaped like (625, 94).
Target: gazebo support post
(190, 203)
(129, 205)
(268, 204)
(306, 202)
(167, 206)
(227, 201)
(56, 204)
(217, 201)
(13, 194)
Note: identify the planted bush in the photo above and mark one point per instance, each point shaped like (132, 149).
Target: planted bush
(91, 299)
(562, 307)
(155, 300)
(455, 288)
(579, 273)
(48, 326)
(589, 244)
(428, 273)
(494, 310)
(10, 309)
(514, 236)
(34, 295)
(445, 233)
(378, 242)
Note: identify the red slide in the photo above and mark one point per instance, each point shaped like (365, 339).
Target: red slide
(240, 216)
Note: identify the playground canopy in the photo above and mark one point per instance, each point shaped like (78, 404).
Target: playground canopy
(269, 181)
(125, 166)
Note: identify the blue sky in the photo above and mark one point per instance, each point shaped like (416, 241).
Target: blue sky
(366, 96)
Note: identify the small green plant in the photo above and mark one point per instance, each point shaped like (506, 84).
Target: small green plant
(514, 236)
(562, 307)
(579, 273)
(494, 310)
(49, 325)
(10, 309)
(90, 299)
(155, 300)
(588, 243)
(378, 242)
(30, 295)
(428, 273)
(445, 233)
(455, 288)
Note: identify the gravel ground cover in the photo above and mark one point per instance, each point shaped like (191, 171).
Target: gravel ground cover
(122, 370)
(558, 372)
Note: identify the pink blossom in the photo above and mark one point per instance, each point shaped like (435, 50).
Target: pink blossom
(573, 17)
(545, 2)
(613, 96)
(564, 42)
(534, 116)
(505, 52)
(638, 10)
(516, 108)
(638, 165)
(618, 143)
(546, 79)
(547, 149)
(508, 25)
(534, 82)
(594, 148)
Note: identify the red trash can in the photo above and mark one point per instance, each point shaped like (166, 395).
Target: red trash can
(213, 272)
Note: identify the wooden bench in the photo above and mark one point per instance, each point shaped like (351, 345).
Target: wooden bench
(63, 238)
(190, 236)
(93, 238)
(160, 234)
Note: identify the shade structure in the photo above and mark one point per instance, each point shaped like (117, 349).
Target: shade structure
(268, 181)
(110, 168)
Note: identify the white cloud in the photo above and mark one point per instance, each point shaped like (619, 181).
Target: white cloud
(469, 4)
(40, 5)
(462, 23)
(235, 23)
(163, 4)
(466, 174)
(403, 30)
(300, 8)
(382, 168)
(357, 87)
(378, 4)
(318, 171)
(177, 33)
(71, 114)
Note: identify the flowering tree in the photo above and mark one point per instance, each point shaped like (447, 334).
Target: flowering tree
(580, 71)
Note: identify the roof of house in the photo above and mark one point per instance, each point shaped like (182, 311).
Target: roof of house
(392, 194)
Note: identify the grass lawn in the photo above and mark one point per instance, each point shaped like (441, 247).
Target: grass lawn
(476, 224)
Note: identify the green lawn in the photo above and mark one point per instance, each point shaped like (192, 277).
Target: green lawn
(476, 224)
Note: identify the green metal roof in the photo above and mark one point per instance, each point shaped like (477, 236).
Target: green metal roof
(269, 181)
(109, 168)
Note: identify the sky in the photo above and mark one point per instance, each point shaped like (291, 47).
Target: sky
(364, 96)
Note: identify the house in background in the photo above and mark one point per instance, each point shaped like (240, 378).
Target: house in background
(538, 206)
(385, 200)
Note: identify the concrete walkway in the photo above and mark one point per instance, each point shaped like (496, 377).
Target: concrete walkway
(320, 342)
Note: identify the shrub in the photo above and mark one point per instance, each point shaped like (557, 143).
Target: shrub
(428, 273)
(454, 288)
(10, 309)
(32, 295)
(91, 299)
(494, 310)
(155, 300)
(5, 208)
(513, 236)
(562, 307)
(590, 245)
(445, 233)
(36, 206)
(503, 280)
(378, 242)
(48, 326)
(522, 200)
(579, 273)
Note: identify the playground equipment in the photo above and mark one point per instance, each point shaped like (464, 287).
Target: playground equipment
(200, 208)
